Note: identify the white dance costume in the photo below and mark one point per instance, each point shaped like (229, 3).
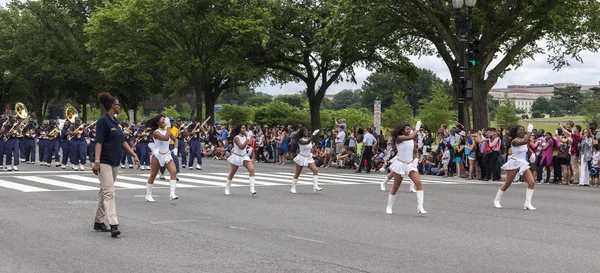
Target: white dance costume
(517, 161)
(160, 149)
(238, 155)
(304, 157)
(404, 162)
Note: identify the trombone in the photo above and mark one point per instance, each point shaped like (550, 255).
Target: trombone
(81, 128)
(146, 134)
(203, 123)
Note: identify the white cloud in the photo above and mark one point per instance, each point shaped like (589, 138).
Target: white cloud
(532, 71)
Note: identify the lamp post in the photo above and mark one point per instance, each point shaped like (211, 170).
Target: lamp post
(463, 29)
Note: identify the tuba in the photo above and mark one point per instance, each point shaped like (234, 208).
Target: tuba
(22, 115)
(71, 114)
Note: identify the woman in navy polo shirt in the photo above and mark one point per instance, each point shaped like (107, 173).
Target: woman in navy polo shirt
(109, 143)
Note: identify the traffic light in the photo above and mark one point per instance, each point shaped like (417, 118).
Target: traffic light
(473, 53)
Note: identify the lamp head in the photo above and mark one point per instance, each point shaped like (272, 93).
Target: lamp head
(458, 4)
(470, 3)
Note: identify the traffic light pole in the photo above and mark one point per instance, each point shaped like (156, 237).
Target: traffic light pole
(462, 71)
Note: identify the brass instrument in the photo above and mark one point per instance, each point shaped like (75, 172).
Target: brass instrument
(146, 132)
(81, 128)
(203, 123)
(71, 114)
(21, 113)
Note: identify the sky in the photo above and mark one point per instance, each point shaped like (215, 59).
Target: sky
(535, 71)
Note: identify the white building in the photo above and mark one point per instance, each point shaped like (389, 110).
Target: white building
(525, 95)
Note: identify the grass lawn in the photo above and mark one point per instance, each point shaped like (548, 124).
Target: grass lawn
(550, 124)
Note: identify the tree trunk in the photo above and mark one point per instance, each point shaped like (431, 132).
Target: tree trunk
(83, 112)
(199, 93)
(209, 102)
(44, 109)
(480, 107)
(315, 113)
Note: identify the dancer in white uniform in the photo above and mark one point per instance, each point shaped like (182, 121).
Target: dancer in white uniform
(305, 159)
(405, 164)
(517, 165)
(161, 155)
(239, 156)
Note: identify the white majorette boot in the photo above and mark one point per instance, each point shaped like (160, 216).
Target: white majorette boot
(420, 202)
(316, 187)
(149, 193)
(294, 182)
(227, 186)
(252, 180)
(390, 204)
(497, 199)
(528, 195)
(412, 187)
(172, 186)
(382, 185)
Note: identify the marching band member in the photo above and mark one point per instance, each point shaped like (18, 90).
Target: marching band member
(78, 145)
(193, 133)
(304, 157)
(181, 144)
(173, 149)
(64, 144)
(239, 156)
(29, 133)
(517, 165)
(161, 154)
(3, 120)
(405, 164)
(53, 144)
(11, 147)
(20, 138)
(128, 135)
(141, 147)
(91, 145)
(42, 140)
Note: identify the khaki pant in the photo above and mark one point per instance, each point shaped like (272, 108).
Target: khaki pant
(575, 166)
(106, 195)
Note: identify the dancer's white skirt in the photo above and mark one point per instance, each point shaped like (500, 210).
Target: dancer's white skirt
(163, 159)
(303, 161)
(516, 164)
(237, 159)
(404, 168)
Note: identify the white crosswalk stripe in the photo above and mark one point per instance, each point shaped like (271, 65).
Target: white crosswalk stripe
(81, 182)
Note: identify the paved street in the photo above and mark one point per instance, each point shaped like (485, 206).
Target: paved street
(47, 218)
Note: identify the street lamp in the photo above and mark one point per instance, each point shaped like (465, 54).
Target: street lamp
(463, 29)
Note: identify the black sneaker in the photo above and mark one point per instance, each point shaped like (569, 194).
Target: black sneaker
(101, 227)
(114, 231)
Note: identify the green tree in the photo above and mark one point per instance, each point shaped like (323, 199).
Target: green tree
(437, 109)
(234, 114)
(273, 113)
(361, 117)
(591, 109)
(508, 32)
(31, 54)
(507, 113)
(237, 96)
(541, 105)
(345, 98)
(314, 42)
(259, 100)
(171, 112)
(202, 45)
(569, 99)
(399, 111)
(384, 85)
(293, 99)
(185, 110)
